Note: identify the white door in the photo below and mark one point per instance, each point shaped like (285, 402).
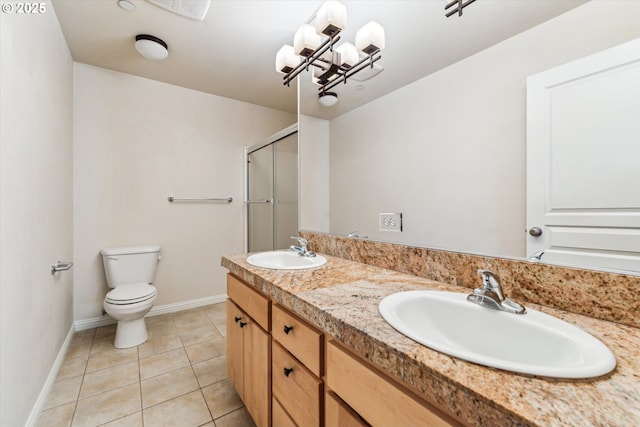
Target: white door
(583, 161)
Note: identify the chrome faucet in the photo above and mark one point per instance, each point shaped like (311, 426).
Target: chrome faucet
(491, 296)
(302, 249)
(537, 256)
(354, 234)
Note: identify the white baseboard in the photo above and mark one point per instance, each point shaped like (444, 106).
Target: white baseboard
(186, 305)
(51, 378)
(94, 322)
(105, 320)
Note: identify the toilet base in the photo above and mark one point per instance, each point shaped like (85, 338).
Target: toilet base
(130, 333)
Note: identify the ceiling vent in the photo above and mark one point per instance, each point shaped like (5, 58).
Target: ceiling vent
(192, 9)
(368, 73)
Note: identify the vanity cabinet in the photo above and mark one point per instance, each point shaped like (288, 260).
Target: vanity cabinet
(290, 374)
(374, 397)
(249, 349)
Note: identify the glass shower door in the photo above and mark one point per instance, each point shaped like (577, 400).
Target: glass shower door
(272, 207)
(260, 199)
(285, 191)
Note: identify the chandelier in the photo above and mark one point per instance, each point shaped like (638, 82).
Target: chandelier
(316, 48)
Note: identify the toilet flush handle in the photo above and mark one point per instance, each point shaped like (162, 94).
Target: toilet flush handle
(113, 258)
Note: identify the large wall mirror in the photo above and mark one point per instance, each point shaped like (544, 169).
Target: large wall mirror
(440, 134)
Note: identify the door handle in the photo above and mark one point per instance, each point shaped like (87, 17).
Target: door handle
(251, 202)
(535, 231)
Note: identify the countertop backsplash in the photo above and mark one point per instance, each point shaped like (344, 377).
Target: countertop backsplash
(602, 295)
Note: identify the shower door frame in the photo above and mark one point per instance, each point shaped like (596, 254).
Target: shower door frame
(284, 133)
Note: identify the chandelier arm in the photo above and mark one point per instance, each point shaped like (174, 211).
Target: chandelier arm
(453, 3)
(326, 45)
(461, 5)
(366, 62)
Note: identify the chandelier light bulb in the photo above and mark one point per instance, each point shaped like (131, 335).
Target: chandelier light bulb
(331, 18)
(306, 41)
(348, 54)
(370, 38)
(286, 59)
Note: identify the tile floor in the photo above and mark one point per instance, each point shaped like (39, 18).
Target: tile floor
(177, 378)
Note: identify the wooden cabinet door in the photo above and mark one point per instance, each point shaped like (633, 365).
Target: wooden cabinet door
(280, 416)
(339, 414)
(257, 373)
(235, 346)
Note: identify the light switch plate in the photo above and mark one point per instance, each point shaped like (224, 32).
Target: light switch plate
(390, 221)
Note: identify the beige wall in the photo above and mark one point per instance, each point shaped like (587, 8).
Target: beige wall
(36, 72)
(137, 141)
(313, 148)
(449, 150)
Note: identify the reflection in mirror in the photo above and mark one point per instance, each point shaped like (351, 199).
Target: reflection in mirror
(440, 134)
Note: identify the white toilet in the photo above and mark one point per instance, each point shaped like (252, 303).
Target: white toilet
(130, 271)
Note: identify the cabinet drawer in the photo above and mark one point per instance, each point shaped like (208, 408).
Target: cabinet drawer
(280, 416)
(301, 339)
(378, 400)
(338, 414)
(297, 389)
(251, 301)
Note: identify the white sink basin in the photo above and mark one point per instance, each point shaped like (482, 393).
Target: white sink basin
(532, 343)
(285, 260)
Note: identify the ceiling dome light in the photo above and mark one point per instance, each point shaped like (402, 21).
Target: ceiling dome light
(151, 47)
(328, 99)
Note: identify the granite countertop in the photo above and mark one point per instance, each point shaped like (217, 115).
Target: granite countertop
(341, 298)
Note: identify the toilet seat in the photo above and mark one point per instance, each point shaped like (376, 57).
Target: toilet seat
(131, 294)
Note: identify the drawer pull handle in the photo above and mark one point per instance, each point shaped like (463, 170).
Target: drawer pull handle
(287, 329)
(243, 324)
(287, 371)
(237, 319)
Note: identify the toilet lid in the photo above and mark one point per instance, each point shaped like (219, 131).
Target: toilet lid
(131, 294)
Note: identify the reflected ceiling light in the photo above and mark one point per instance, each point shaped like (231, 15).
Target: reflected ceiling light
(459, 5)
(126, 5)
(317, 47)
(151, 47)
(328, 99)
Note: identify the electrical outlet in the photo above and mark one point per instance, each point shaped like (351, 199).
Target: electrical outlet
(390, 222)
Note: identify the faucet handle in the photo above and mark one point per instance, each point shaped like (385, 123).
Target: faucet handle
(491, 282)
(301, 240)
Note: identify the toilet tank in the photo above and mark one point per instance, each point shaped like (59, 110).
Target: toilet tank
(130, 264)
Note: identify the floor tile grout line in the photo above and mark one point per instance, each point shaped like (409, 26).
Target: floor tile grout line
(207, 405)
(140, 386)
(95, 339)
(84, 372)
